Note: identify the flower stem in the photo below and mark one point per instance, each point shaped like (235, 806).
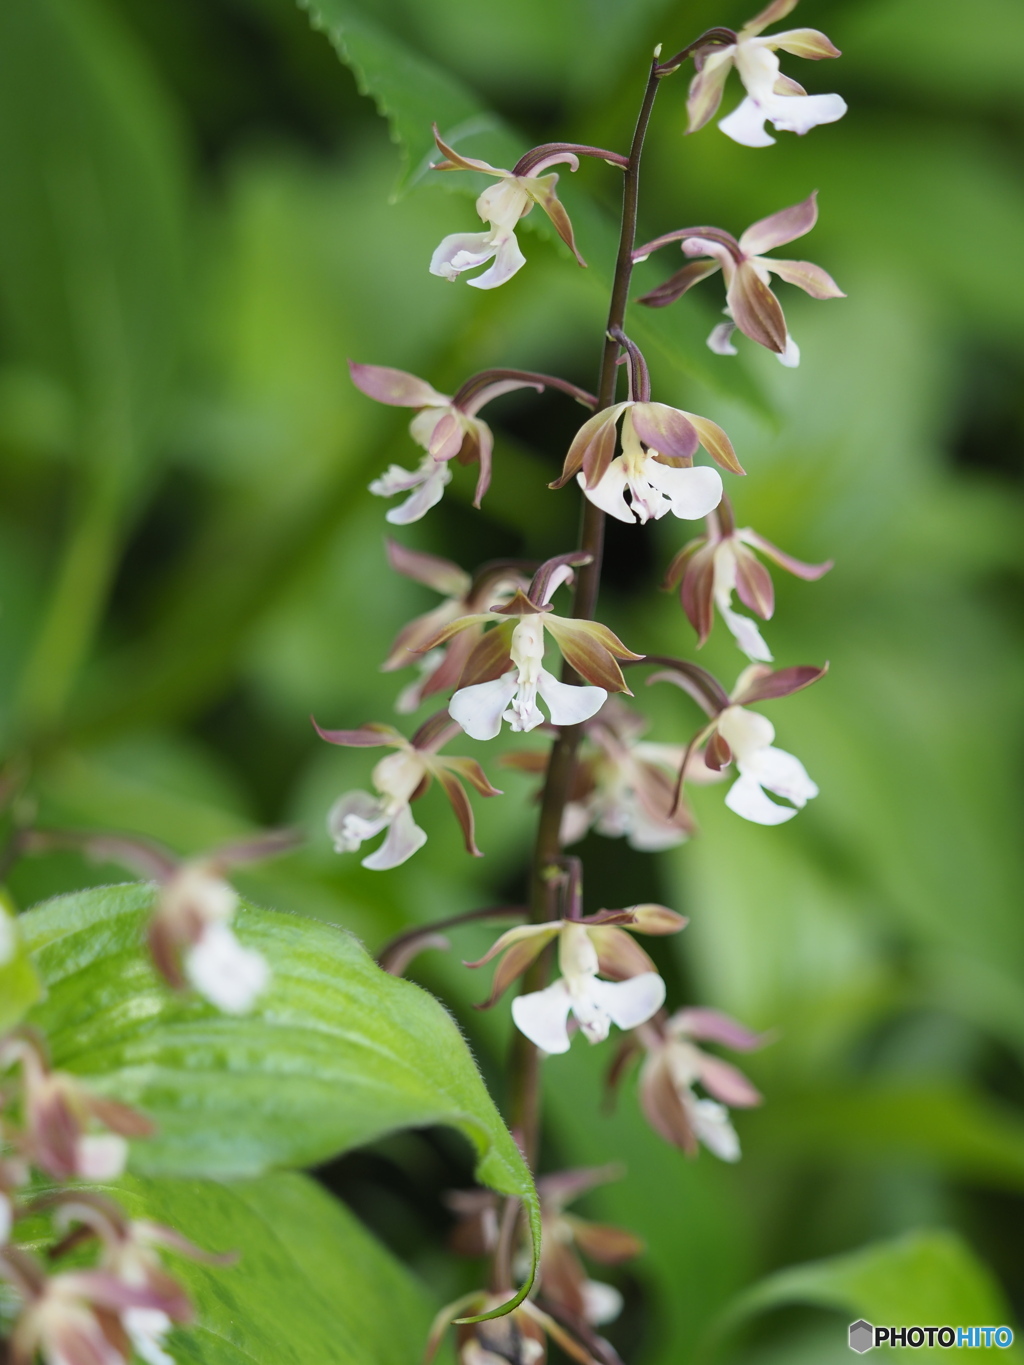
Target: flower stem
(524, 1065)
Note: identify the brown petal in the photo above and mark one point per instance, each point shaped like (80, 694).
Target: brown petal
(445, 677)
(716, 443)
(676, 285)
(705, 94)
(619, 956)
(491, 656)
(471, 771)
(718, 753)
(484, 452)
(397, 961)
(516, 960)
(675, 571)
(712, 1026)
(473, 618)
(779, 228)
(542, 189)
(809, 572)
(431, 570)
(696, 682)
(435, 732)
(542, 933)
(456, 794)
(697, 592)
(771, 14)
(367, 736)
(779, 683)
(119, 1118)
(657, 919)
(590, 648)
(396, 387)
(755, 309)
(456, 161)
(662, 1107)
(665, 429)
(805, 42)
(753, 583)
(604, 1243)
(592, 447)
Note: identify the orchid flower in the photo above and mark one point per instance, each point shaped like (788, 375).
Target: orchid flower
(674, 1065)
(60, 1117)
(491, 691)
(502, 205)
(750, 304)
(587, 949)
(400, 778)
(623, 787)
(520, 1336)
(656, 465)
(710, 569)
(88, 1317)
(440, 669)
(447, 428)
(744, 737)
(771, 97)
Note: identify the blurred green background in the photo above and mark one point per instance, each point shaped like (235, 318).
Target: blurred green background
(196, 232)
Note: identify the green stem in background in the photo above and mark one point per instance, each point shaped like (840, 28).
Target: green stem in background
(525, 1062)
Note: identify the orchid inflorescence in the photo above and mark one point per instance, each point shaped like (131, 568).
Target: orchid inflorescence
(484, 648)
(55, 1132)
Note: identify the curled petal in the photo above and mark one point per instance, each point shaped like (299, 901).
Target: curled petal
(456, 161)
(470, 770)
(809, 572)
(461, 251)
(354, 817)
(542, 189)
(781, 772)
(456, 794)
(720, 339)
(593, 446)
(516, 960)
(771, 14)
(543, 1015)
(765, 684)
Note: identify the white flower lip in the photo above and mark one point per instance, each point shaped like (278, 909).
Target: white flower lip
(762, 768)
(230, 976)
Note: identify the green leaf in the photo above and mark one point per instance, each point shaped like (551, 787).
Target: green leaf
(924, 1277)
(411, 93)
(311, 1286)
(20, 986)
(337, 1053)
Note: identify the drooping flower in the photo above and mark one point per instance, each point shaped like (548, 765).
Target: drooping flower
(63, 1128)
(87, 1317)
(441, 668)
(588, 949)
(656, 466)
(674, 1065)
(737, 735)
(710, 569)
(505, 674)
(447, 427)
(623, 786)
(770, 96)
(750, 304)
(562, 1279)
(400, 778)
(502, 205)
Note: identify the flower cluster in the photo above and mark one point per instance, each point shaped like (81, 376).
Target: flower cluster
(123, 1305)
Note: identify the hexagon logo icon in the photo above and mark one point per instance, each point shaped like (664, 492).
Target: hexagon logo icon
(862, 1336)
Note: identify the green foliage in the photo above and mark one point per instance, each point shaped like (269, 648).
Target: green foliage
(336, 1054)
(923, 1278)
(20, 986)
(310, 1283)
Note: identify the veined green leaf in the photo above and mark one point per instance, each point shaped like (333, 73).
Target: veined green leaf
(337, 1052)
(20, 986)
(311, 1285)
(925, 1277)
(411, 93)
